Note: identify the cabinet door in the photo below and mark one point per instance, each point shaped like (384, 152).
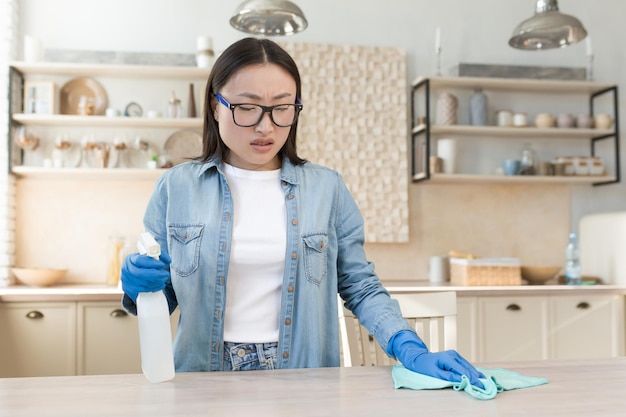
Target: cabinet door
(108, 339)
(513, 328)
(585, 326)
(37, 339)
(467, 327)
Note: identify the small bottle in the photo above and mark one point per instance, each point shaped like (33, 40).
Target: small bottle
(153, 316)
(572, 265)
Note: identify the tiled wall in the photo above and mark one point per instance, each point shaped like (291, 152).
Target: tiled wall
(355, 121)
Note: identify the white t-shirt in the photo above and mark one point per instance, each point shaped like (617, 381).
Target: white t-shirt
(257, 257)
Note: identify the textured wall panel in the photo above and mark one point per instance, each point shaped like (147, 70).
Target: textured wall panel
(355, 121)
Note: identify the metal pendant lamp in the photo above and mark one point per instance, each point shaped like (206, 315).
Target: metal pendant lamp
(547, 29)
(269, 17)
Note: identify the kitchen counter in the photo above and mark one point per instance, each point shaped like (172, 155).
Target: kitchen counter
(575, 388)
(60, 293)
(107, 293)
(484, 290)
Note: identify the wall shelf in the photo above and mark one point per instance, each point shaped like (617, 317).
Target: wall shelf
(104, 121)
(527, 132)
(88, 174)
(107, 70)
(514, 179)
(423, 132)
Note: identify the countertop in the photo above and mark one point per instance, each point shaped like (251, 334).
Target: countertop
(16, 293)
(575, 388)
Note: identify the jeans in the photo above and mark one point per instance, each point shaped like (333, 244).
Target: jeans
(250, 356)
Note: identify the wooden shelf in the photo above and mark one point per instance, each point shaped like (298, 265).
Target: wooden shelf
(125, 71)
(513, 179)
(104, 121)
(527, 132)
(74, 174)
(517, 84)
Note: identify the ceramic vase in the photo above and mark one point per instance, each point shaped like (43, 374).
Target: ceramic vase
(478, 109)
(447, 105)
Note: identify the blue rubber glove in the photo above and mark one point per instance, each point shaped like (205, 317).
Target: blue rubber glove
(141, 273)
(449, 365)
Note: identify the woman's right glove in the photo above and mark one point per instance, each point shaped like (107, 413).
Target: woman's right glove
(141, 273)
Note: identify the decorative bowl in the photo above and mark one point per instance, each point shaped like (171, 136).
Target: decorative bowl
(39, 277)
(538, 275)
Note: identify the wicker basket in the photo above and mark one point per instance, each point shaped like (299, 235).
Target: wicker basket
(485, 271)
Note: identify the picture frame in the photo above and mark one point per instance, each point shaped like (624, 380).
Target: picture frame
(40, 97)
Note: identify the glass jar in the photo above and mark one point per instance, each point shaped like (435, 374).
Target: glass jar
(116, 258)
(528, 166)
(174, 108)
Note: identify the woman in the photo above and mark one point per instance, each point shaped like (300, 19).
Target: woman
(261, 241)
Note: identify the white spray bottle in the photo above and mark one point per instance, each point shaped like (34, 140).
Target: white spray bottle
(155, 334)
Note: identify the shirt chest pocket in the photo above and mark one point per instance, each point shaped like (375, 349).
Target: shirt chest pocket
(184, 241)
(315, 257)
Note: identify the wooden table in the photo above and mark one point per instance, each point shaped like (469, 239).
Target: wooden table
(576, 388)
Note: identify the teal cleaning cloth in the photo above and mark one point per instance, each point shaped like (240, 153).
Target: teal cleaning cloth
(497, 380)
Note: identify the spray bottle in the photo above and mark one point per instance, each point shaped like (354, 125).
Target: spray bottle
(155, 334)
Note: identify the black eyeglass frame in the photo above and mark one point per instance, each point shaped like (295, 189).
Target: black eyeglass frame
(266, 109)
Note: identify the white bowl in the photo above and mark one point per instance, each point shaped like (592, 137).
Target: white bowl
(39, 277)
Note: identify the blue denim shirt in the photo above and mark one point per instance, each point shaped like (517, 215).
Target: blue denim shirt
(191, 216)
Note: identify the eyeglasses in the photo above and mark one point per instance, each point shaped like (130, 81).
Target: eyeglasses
(247, 115)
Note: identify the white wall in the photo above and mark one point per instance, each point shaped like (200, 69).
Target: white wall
(472, 31)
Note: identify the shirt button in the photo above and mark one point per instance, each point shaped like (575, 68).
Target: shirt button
(287, 321)
(294, 222)
(283, 183)
(291, 196)
(290, 288)
(285, 355)
(241, 353)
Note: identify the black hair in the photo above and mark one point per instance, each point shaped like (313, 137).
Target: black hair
(245, 52)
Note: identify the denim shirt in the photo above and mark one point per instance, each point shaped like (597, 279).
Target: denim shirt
(191, 216)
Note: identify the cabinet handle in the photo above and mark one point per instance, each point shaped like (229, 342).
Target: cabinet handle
(513, 307)
(583, 305)
(118, 313)
(34, 314)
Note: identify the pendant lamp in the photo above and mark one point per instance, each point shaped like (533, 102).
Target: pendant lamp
(269, 17)
(547, 29)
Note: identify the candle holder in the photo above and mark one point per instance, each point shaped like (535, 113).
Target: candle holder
(438, 61)
(590, 67)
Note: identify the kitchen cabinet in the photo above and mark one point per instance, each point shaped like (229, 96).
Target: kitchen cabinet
(538, 327)
(37, 339)
(69, 338)
(589, 95)
(513, 328)
(467, 327)
(157, 83)
(586, 326)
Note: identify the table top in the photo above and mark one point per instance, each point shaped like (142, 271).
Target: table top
(594, 387)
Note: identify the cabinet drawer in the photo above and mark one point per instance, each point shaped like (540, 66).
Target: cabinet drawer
(514, 328)
(37, 339)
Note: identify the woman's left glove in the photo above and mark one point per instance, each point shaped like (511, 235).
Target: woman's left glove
(449, 365)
